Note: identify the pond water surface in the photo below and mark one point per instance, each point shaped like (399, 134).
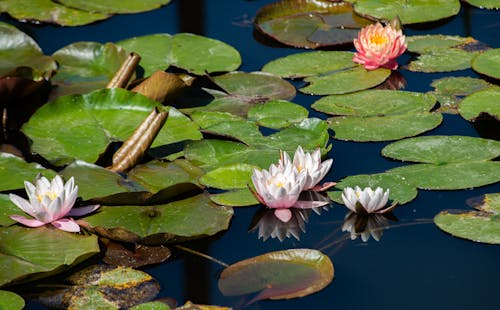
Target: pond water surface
(413, 266)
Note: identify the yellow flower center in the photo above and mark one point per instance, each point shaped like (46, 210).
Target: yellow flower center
(378, 39)
(51, 195)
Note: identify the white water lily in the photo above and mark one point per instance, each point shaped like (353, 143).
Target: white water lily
(310, 163)
(50, 202)
(366, 200)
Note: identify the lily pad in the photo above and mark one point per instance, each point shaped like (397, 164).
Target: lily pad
(470, 225)
(81, 126)
(424, 44)
(49, 12)
(229, 176)
(345, 81)
(445, 60)
(488, 63)
(86, 66)
(235, 198)
(277, 114)
(7, 208)
(188, 218)
(309, 23)
(18, 49)
(11, 301)
(443, 149)
(115, 6)
(409, 11)
(309, 63)
(14, 171)
(278, 275)
(383, 128)
(485, 101)
(486, 4)
(30, 252)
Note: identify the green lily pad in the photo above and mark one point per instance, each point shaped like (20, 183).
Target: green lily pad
(445, 60)
(235, 198)
(152, 305)
(11, 301)
(383, 128)
(278, 275)
(425, 44)
(309, 23)
(188, 218)
(81, 126)
(450, 176)
(18, 49)
(488, 63)
(48, 11)
(7, 208)
(14, 171)
(277, 114)
(401, 191)
(449, 91)
(409, 11)
(443, 149)
(485, 101)
(345, 81)
(229, 176)
(486, 4)
(470, 225)
(28, 253)
(309, 63)
(115, 6)
(375, 102)
(489, 203)
(86, 66)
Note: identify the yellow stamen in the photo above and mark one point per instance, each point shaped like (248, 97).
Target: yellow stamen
(51, 195)
(378, 39)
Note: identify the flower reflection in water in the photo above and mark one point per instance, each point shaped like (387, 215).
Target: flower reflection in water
(365, 225)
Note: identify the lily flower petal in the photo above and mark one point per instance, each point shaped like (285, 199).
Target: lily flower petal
(66, 225)
(83, 210)
(26, 221)
(366, 200)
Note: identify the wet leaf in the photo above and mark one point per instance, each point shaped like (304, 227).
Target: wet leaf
(409, 11)
(115, 6)
(278, 275)
(19, 49)
(487, 4)
(309, 63)
(11, 301)
(117, 254)
(235, 198)
(424, 44)
(152, 305)
(309, 24)
(49, 12)
(30, 252)
(345, 81)
(14, 171)
(443, 149)
(485, 101)
(188, 218)
(81, 126)
(277, 114)
(488, 63)
(452, 59)
(229, 176)
(383, 128)
(7, 208)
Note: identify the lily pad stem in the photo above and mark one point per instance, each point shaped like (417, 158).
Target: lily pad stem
(123, 75)
(180, 247)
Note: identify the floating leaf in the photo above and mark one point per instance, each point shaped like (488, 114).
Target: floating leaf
(14, 171)
(452, 59)
(278, 275)
(383, 128)
(443, 149)
(235, 198)
(81, 126)
(118, 255)
(28, 251)
(50, 12)
(425, 44)
(470, 225)
(277, 114)
(308, 23)
(7, 208)
(409, 11)
(18, 49)
(152, 305)
(488, 63)
(11, 301)
(115, 6)
(309, 63)
(188, 218)
(487, 4)
(229, 176)
(345, 81)
(485, 101)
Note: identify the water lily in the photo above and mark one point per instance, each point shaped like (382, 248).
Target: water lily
(379, 46)
(366, 200)
(311, 164)
(49, 203)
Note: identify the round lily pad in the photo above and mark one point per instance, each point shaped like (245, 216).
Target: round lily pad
(444, 60)
(487, 4)
(409, 11)
(277, 114)
(14, 171)
(229, 177)
(485, 101)
(472, 225)
(114, 6)
(235, 198)
(11, 301)
(424, 44)
(488, 63)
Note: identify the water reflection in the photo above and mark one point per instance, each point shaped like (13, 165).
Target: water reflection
(366, 225)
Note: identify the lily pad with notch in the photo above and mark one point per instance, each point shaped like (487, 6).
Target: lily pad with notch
(485, 101)
(488, 63)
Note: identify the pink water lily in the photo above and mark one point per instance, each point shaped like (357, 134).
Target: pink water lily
(379, 46)
(50, 203)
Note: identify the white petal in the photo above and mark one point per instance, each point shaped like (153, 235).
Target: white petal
(23, 204)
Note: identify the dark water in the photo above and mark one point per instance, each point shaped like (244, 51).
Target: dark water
(413, 266)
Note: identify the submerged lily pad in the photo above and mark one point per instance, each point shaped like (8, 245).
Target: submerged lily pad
(11, 301)
(49, 12)
(18, 49)
(409, 11)
(309, 23)
(81, 126)
(115, 6)
(488, 63)
(278, 275)
(30, 252)
(14, 171)
(485, 101)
